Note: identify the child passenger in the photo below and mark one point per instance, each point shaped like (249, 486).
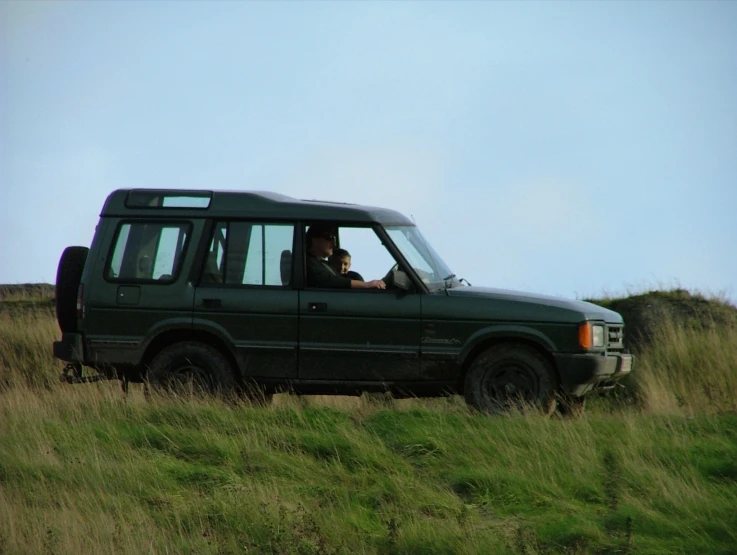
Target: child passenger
(340, 262)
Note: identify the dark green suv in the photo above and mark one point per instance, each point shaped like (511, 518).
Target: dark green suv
(210, 288)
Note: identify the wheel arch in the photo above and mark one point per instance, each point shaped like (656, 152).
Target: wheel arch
(534, 341)
(172, 336)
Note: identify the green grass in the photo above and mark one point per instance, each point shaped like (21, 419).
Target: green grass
(85, 470)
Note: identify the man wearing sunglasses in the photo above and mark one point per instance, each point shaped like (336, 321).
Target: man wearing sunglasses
(320, 244)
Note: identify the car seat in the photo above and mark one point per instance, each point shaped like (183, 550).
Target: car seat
(212, 273)
(285, 266)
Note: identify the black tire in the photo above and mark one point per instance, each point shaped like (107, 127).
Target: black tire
(68, 278)
(191, 367)
(511, 377)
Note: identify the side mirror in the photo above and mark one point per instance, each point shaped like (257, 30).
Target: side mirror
(401, 280)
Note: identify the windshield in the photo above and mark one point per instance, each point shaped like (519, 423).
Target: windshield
(421, 256)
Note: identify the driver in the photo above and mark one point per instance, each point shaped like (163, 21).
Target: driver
(320, 244)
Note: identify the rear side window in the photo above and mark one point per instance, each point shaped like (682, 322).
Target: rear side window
(148, 251)
(250, 253)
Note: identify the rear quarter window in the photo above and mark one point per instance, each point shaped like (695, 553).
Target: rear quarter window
(148, 251)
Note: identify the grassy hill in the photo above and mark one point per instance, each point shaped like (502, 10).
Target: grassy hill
(85, 470)
(26, 291)
(645, 314)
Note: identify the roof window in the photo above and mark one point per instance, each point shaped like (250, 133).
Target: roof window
(140, 198)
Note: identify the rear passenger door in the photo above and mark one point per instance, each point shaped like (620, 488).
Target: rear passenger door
(244, 295)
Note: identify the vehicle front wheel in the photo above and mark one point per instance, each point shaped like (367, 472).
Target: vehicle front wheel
(191, 367)
(511, 377)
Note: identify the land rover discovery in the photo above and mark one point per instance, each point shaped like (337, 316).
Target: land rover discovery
(184, 288)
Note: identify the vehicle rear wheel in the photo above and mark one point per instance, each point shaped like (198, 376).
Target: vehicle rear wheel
(68, 278)
(189, 368)
(511, 377)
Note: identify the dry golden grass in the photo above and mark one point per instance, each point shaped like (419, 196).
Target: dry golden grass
(689, 371)
(27, 334)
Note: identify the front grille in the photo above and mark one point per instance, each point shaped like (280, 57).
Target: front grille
(615, 337)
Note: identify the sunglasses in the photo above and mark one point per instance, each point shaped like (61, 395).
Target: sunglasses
(327, 236)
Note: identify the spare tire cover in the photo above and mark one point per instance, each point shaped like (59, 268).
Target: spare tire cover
(68, 277)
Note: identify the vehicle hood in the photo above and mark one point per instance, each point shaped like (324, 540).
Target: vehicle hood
(531, 303)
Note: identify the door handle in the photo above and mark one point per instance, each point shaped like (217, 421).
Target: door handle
(317, 307)
(212, 303)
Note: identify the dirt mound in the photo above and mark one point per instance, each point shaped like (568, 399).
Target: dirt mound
(643, 314)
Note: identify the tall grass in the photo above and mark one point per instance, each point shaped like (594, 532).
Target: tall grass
(27, 292)
(84, 469)
(688, 370)
(27, 333)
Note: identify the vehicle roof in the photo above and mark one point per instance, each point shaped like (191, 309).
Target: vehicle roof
(253, 204)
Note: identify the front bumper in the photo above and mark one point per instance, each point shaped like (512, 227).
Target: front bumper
(70, 348)
(581, 373)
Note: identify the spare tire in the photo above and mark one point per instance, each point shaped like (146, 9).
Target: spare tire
(68, 277)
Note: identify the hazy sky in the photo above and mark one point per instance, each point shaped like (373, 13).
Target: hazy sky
(570, 148)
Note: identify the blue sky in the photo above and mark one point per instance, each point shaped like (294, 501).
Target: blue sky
(569, 148)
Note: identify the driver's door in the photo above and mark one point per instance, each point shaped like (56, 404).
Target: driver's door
(367, 335)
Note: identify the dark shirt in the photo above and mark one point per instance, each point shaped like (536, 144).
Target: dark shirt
(320, 274)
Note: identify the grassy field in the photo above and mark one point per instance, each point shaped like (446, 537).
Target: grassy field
(85, 470)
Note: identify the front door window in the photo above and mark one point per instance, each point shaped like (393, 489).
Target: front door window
(357, 334)
(362, 249)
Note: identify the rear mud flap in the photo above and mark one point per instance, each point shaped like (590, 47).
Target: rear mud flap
(72, 374)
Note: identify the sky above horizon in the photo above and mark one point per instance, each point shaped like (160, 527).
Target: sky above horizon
(568, 148)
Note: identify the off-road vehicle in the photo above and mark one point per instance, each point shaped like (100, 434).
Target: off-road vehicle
(208, 288)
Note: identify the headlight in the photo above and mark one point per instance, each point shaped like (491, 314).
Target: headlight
(598, 335)
(590, 335)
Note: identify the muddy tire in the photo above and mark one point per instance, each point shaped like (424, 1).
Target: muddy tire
(68, 278)
(511, 377)
(191, 368)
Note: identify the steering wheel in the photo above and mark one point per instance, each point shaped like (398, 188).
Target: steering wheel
(389, 277)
